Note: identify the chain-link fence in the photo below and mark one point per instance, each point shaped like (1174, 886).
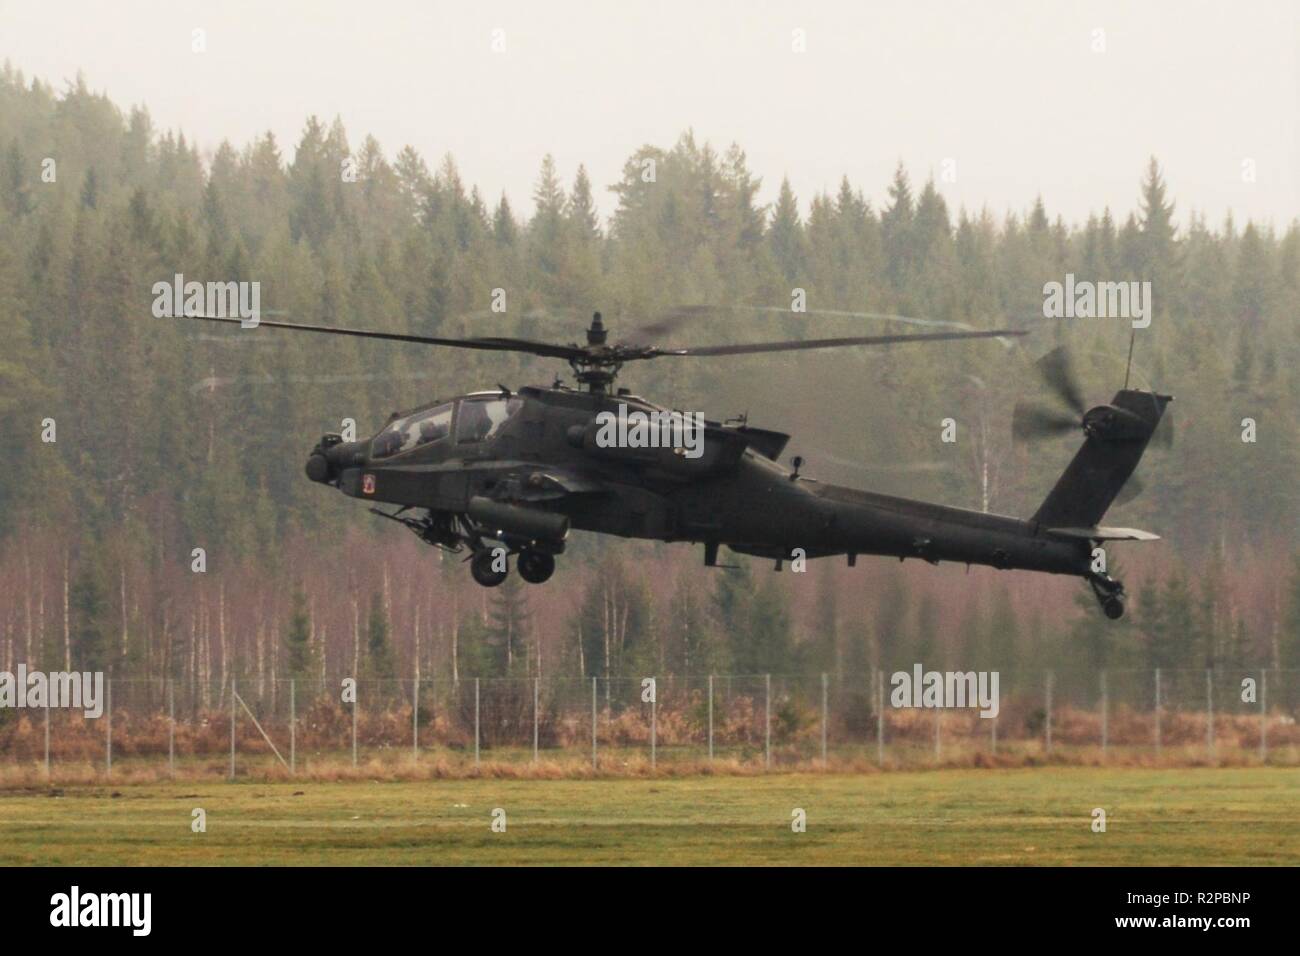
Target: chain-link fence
(619, 724)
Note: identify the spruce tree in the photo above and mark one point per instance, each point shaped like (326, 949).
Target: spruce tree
(89, 611)
(299, 655)
(379, 652)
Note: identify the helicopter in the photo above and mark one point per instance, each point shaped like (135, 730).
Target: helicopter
(507, 474)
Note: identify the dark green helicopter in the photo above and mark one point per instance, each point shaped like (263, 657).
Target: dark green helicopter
(508, 473)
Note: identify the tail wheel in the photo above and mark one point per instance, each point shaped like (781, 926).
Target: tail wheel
(1110, 595)
(488, 567)
(536, 567)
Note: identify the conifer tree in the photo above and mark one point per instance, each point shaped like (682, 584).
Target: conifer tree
(379, 651)
(299, 656)
(90, 617)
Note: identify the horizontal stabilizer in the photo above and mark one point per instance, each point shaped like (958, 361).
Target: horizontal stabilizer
(1105, 534)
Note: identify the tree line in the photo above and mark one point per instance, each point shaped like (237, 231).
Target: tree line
(169, 439)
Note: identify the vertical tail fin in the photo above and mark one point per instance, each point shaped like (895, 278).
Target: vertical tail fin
(1117, 435)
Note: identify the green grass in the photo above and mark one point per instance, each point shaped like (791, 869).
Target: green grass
(1023, 816)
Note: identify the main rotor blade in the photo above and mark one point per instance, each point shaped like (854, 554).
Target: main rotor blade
(662, 324)
(1032, 422)
(690, 311)
(489, 344)
(800, 345)
(907, 467)
(1058, 372)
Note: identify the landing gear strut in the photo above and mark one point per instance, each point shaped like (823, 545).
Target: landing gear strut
(490, 550)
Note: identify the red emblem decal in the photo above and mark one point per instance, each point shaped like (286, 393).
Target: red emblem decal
(367, 484)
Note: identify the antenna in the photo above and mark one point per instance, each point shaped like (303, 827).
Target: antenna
(1132, 337)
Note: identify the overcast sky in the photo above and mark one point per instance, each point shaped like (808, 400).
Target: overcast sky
(1017, 95)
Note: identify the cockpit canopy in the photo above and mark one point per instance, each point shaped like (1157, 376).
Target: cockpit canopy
(477, 418)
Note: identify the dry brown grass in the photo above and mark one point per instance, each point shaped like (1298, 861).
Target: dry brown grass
(613, 764)
(324, 737)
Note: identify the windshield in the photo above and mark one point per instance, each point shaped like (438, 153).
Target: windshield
(414, 430)
(481, 419)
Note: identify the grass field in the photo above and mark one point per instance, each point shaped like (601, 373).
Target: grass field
(1024, 816)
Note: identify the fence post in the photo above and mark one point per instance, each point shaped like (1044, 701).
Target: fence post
(536, 694)
(293, 725)
(356, 705)
(415, 719)
(1158, 742)
(767, 721)
(109, 742)
(1264, 714)
(593, 723)
(824, 714)
(1209, 711)
(171, 726)
(1048, 722)
(47, 736)
(880, 718)
(654, 719)
(232, 728)
(1105, 715)
(710, 716)
(476, 754)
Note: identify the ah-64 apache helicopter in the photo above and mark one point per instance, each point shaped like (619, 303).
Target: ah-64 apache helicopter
(507, 473)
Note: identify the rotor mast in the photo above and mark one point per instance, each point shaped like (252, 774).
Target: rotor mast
(598, 366)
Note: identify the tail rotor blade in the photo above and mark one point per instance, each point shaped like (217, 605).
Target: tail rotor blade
(1033, 422)
(1058, 372)
(1132, 488)
(1163, 436)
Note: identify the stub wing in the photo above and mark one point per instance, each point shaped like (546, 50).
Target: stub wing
(550, 484)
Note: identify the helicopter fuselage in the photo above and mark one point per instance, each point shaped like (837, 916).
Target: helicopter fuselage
(535, 451)
(510, 473)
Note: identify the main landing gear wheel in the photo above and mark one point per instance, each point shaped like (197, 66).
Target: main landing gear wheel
(535, 567)
(1113, 606)
(488, 567)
